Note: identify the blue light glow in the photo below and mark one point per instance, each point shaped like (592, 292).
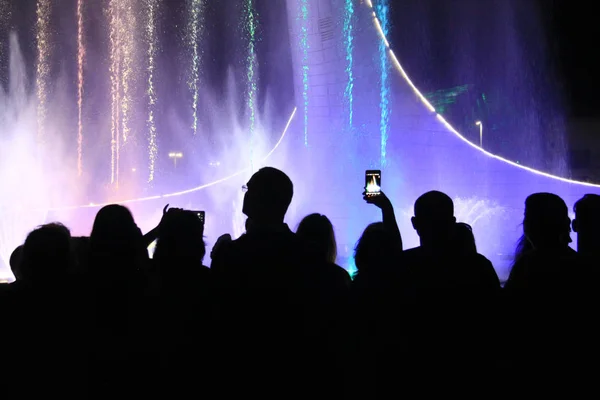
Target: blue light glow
(349, 42)
(305, 46)
(251, 27)
(383, 10)
(350, 266)
(196, 26)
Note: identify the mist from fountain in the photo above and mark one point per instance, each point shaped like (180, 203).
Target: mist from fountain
(40, 182)
(32, 176)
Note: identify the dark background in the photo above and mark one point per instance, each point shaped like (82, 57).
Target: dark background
(570, 29)
(575, 30)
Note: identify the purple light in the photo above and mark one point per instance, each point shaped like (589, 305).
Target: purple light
(186, 191)
(449, 126)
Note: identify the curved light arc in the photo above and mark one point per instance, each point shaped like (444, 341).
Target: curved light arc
(187, 191)
(448, 125)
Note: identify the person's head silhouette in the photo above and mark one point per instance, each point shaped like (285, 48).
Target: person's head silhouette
(47, 256)
(434, 219)
(268, 195)
(318, 231)
(376, 249)
(546, 222)
(116, 240)
(113, 222)
(180, 240)
(464, 238)
(16, 261)
(587, 223)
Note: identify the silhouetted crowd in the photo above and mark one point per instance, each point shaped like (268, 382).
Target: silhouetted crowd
(274, 316)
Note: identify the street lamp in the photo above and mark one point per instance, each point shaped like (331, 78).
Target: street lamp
(480, 124)
(175, 156)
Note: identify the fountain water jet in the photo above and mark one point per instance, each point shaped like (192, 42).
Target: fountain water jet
(23, 190)
(423, 151)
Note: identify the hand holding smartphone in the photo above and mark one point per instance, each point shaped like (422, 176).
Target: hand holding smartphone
(372, 182)
(201, 215)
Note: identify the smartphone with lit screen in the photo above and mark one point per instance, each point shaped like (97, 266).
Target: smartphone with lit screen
(200, 214)
(373, 182)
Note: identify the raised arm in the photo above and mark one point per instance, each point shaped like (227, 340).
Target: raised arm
(387, 215)
(152, 235)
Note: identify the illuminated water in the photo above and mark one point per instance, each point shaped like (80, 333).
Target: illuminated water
(397, 130)
(491, 61)
(355, 110)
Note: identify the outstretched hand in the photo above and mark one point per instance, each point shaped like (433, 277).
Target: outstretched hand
(166, 211)
(380, 200)
(153, 234)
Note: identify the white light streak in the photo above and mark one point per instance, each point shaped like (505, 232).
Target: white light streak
(80, 61)
(187, 191)
(43, 64)
(454, 131)
(194, 34)
(152, 41)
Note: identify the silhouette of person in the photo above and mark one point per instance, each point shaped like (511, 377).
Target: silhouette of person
(268, 195)
(117, 315)
(587, 226)
(376, 312)
(117, 250)
(542, 292)
(180, 245)
(225, 238)
(270, 290)
(152, 235)
(47, 257)
(434, 221)
(388, 216)
(376, 253)
(317, 231)
(182, 312)
(543, 264)
(44, 321)
(16, 259)
(451, 295)
(435, 224)
(465, 240)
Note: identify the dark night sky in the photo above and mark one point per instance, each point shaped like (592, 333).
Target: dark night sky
(570, 27)
(577, 31)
